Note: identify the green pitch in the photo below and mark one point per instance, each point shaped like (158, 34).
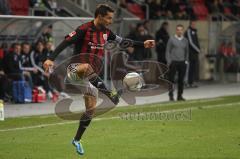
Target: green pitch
(206, 129)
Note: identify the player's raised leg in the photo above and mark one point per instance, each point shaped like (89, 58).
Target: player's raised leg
(85, 71)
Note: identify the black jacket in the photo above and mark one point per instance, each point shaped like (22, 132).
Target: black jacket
(11, 63)
(37, 60)
(161, 37)
(25, 60)
(191, 35)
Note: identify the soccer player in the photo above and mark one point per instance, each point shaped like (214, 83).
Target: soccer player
(89, 38)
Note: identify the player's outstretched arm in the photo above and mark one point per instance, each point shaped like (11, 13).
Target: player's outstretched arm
(131, 43)
(49, 62)
(71, 38)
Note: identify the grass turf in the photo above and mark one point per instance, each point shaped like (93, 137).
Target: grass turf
(212, 132)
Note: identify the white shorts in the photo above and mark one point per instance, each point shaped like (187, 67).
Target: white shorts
(86, 87)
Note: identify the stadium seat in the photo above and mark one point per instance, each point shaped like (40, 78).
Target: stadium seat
(136, 10)
(227, 11)
(200, 11)
(19, 7)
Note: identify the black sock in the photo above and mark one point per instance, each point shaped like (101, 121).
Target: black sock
(99, 84)
(84, 122)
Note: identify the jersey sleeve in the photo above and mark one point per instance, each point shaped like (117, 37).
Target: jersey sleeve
(119, 39)
(114, 37)
(75, 35)
(71, 38)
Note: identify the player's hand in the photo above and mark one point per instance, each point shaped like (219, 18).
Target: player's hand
(47, 65)
(149, 43)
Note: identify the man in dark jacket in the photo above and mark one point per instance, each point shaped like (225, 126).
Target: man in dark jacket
(162, 37)
(140, 53)
(194, 50)
(11, 63)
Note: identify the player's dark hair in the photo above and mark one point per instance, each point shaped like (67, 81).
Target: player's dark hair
(103, 9)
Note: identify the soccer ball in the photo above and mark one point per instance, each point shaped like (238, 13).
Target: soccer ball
(133, 81)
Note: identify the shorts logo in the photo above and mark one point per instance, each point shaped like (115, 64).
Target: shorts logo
(72, 33)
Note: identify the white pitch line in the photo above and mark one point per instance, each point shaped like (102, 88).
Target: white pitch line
(53, 124)
(110, 118)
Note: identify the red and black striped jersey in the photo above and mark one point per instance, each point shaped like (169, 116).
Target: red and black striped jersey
(88, 40)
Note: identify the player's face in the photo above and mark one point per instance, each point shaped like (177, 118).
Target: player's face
(107, 19)
(179, 31)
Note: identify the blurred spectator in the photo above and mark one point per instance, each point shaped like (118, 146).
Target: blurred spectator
(13, 67)
(43, 7)
(32, 3)
(147, 27)
(139, 53)
(25, 55)
(48, 48)
(4, 47)
(46, 34)
(38, 56)
(3, 78)
(50, 4)
(3, 86)
(215, 6)
(162, 37)
(131, 35)
(2, 53)
(235, 7)
(237, 42)
(177, 9)
(59, 84)
(26, 64)
(11, 63)
(4, 7)
(194, 50)
(155, 9)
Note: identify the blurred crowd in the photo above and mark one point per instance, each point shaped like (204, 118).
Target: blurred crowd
(223, 6)
(170, 9)
(185, 9)
(158, 9)
(11, 7)
(24, 61)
